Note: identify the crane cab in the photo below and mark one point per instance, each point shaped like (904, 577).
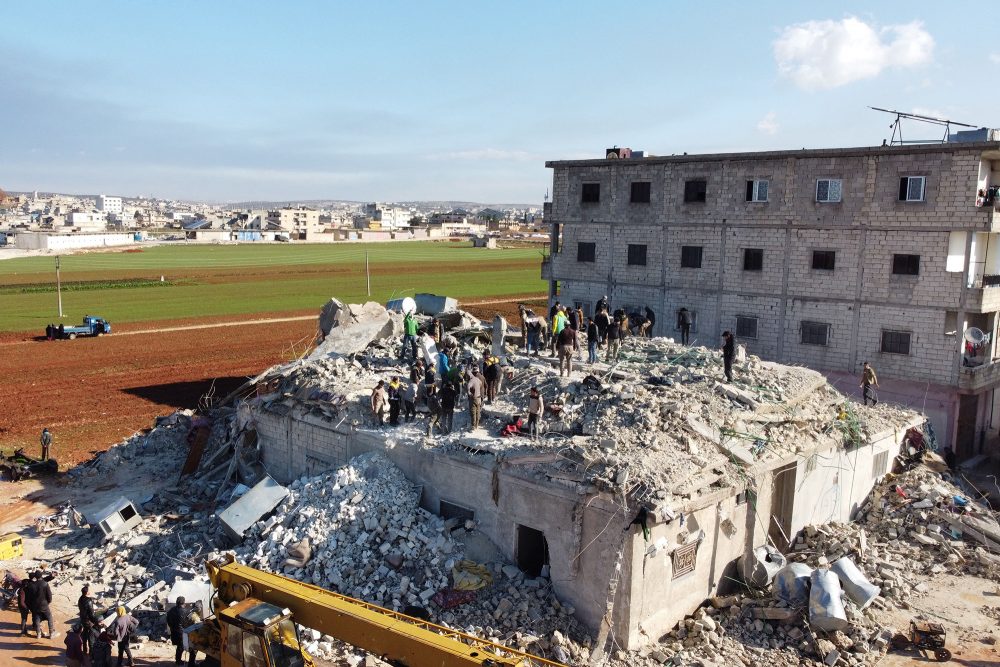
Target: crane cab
(258, 634)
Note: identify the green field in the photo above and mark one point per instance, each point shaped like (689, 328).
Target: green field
(253, 279)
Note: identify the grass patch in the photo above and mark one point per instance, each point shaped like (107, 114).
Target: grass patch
(84, 285)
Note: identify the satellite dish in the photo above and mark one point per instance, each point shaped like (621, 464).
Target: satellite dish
(410, 306)
(974, 335)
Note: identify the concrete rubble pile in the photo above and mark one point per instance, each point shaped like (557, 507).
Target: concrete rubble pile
(364, 536)
(161, 447)
(913, 527)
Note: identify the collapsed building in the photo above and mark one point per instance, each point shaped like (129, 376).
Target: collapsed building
(651, 479)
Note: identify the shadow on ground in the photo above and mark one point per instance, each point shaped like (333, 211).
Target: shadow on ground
(187, 394)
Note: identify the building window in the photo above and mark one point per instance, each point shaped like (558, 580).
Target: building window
(746, 327)
(691, 256)
(824, 260)
(753, 259)
(879, 464)
(591, 193)
(640, 192)
(757, 191)
(815, 333)
(896, 342)
(695, 190)
(637, 254)
(586, 252)
(911, 188)
(906, 265)
(828, 190)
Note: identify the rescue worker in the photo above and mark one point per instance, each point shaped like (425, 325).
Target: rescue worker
(728, 353)
(409, 335)
(535, 408)
(378, 402)
(433, 409)
(89, 622)
(448, 395)
(395, 399)
(868, 380)
(476, 390)
(684, 322)
(121, 631)
(175, 623)
(492, 375)
(38, 597)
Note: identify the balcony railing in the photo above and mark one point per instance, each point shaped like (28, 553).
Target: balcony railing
(974, 378)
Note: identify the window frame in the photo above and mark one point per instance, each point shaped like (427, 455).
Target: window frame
(753, 190)
(903, 195)
(648, 193)
(828, 181)
(896, 332)
(757, 257)
(833, 260)
(593, 251)
(694, 196)
(685, 249)
(587, 193)
(756, 327)
(645, 254)
(812, 323)
(900, 267)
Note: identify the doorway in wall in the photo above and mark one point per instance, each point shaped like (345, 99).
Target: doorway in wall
(531, 551)
(779, 528)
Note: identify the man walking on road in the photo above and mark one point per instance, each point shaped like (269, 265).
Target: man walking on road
(868, 380)
(46, 441)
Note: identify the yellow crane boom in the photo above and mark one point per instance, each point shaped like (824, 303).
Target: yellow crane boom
(394, 637)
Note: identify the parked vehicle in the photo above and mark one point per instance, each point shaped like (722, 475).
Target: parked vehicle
(92, 326)
(66, 517)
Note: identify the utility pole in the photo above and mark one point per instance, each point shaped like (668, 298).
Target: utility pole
(368, 276)
(59, 287)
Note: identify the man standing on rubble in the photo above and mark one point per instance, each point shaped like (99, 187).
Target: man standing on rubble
(395, 398)
(593, 339)
(684, 321)
(646, 328)
(46, 442)
(615, 334)
(559, 323)
(535, 408)
(602, 304)
(476, 390)
(433, 400)
(603, 321)
(868, 380)
(89, 621)
(447, 405)
(410, 401)
(491, 373)
(409, 335)
(378, 401)
(728, 353)
(566, 341)
(523, 314)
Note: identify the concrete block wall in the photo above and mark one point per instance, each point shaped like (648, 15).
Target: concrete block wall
(933, 286)
(652, 237)
(565, 263)
(936, 352)
(710, 240)
(805, 281)
(772, 242)
(767, 310)
(836, 353)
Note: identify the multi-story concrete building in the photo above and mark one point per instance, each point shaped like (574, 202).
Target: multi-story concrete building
(385, 217)
(110, 206)
(302, 222)
(825, 258)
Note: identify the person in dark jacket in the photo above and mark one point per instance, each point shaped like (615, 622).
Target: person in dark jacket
(395, 390)
(101, 655)
(646, 328)
(603, 321)
(602, 304)
(46, 442)
(593, 340)
(74, 647)
(448, 394)
(175, 623)
(433, 409)
(38, 597)
(22, 604)
(121, 631)
(684, 322)
(90, 624)
(616, 332)
(491, 373)
(728, 353)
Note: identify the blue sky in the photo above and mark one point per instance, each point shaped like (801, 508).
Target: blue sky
(436, 100)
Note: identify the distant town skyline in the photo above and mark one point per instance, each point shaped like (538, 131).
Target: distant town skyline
(397, 102)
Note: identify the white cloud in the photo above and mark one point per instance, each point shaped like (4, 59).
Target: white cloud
(995, 58)
(769, 123)
(933, 113)
(827, 54)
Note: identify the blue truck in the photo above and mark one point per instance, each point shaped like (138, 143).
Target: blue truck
(92, 326)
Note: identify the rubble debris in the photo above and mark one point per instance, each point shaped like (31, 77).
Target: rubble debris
(251, 506)
(855, 584)
(826, 609)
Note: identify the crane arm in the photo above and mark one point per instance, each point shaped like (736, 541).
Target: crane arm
(392, 636)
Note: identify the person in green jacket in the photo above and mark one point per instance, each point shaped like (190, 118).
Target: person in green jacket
(409, 335)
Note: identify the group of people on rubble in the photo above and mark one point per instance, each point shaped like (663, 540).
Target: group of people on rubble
(89, 642)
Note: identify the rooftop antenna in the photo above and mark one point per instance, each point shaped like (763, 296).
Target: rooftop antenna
(897, 127)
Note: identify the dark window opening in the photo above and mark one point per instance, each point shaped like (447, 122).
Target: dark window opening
(746, 327)
(127, 512)
(532, 552)
(906, 265)
(636, 254)
(815, 333)
(449, 510)
(640, 192)
(753, 259)
(586, 252)
(591, 193)
(695, 191)
(824, 260)
(691, 256)
(896, 342)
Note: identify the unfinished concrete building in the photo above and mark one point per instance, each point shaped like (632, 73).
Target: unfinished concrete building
(643, 492)
(826, 258)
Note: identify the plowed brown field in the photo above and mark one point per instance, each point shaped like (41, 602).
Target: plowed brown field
(92, 392)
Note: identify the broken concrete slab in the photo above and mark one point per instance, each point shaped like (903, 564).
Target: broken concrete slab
(497, 335)
(357, 326)
(252, 507)
(192, 591)
(432, 304)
